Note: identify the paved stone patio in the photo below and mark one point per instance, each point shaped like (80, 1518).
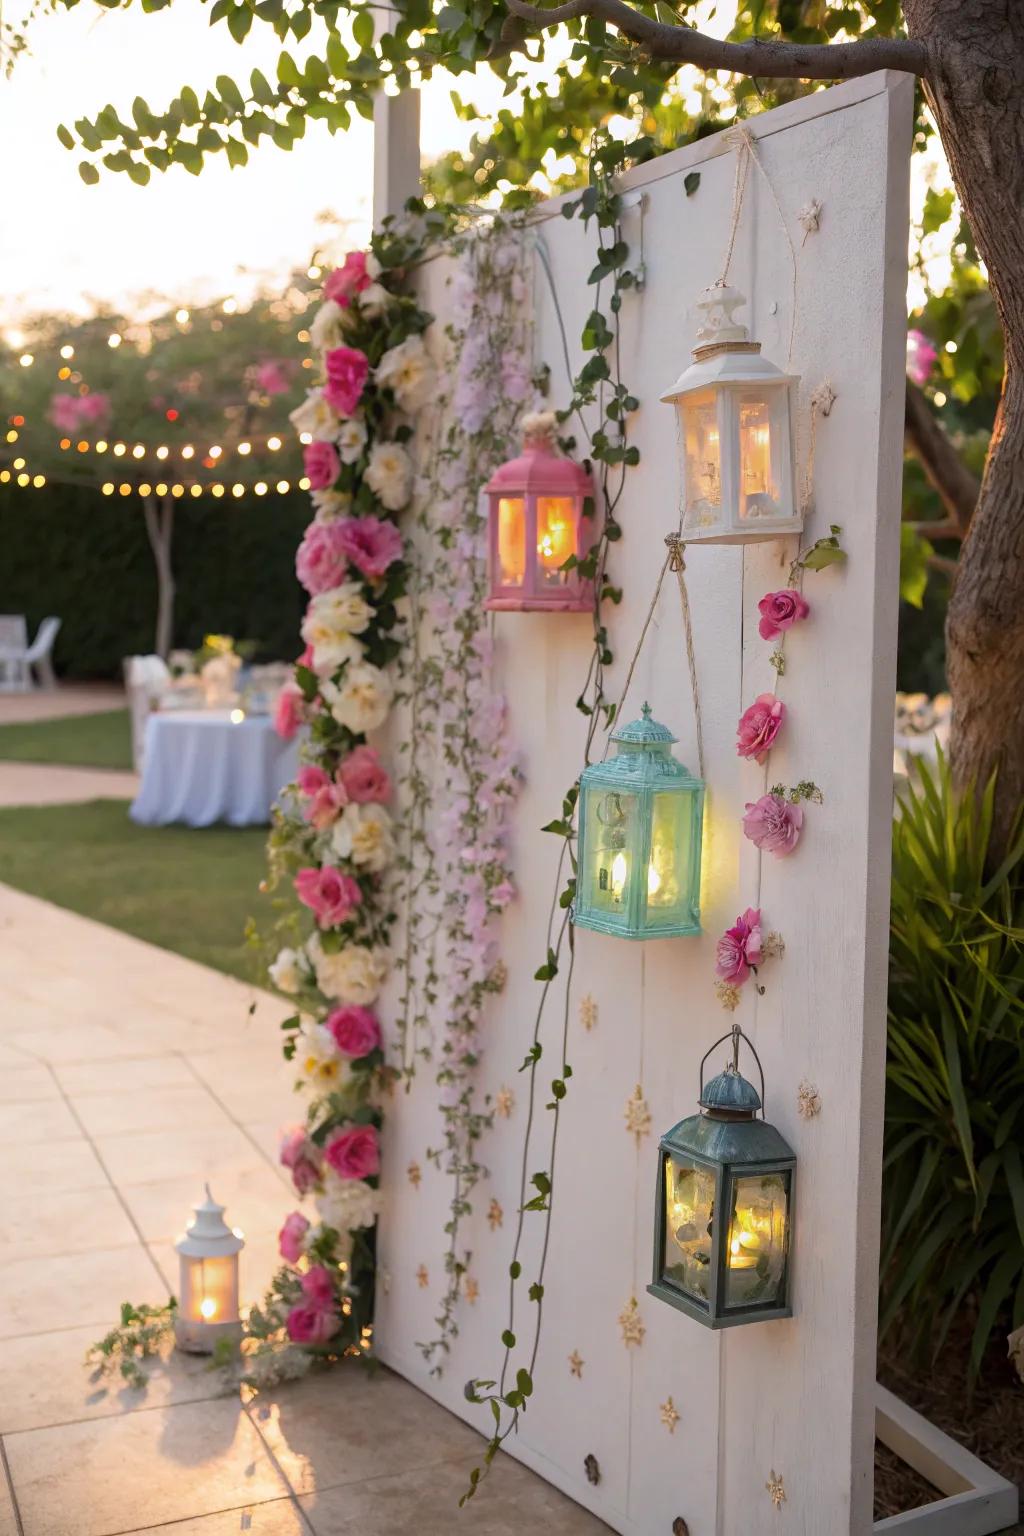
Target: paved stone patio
(128, 1076)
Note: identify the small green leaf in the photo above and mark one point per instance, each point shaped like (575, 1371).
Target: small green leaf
(691, 183)
(89, 174)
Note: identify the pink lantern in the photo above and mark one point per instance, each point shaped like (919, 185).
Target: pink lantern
(536, 521)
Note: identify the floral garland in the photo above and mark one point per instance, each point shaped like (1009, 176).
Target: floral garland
(458, 822)
(333, 838)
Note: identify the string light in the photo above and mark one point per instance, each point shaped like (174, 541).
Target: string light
(65, 442)
(188, 451)
(138, 452)
(101, 446)
(67, 350)
(5, 475)
(304, 483)
(63, 373)
(229, 306)
(238, 490)
(119, 449)
(177, 490)
(23, 479)
(26, 359)
(260, 488)
(215, 452)
(12, 436)
(196, 490)
(82, 447)
(273, 443)
(19, 463)
(181, 316)
(107, 488)
(282, 486)
(217, 490)
(244, 448)
(114, 339)
(145, 490)
(162, 451)
(161, 489)
(125, 489)
(38, 481)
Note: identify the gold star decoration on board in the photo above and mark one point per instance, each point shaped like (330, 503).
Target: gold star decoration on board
(588, 1012)
(776, 1489)
(638, 1114)
(470, 1289)
(385, 1281)
(808, 1101)
(499, 976)
(415, 1175)
(669, 1414)
(422, 1277)
(576, 1363)
(632, 1324)
(495, 1215)
(504, 1102)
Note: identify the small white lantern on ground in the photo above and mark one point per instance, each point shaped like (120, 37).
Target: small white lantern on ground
(208, 1303)
(735, 433)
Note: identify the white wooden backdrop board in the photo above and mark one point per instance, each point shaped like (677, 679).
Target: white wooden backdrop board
(792, 1397)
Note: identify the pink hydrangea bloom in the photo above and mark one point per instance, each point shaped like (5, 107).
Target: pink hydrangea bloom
(370, 543)
(291, 1240)
(320, 562)
(774, 824)
(348, 279)
(921, 356)
(64, 412)
(329, 894)
(363, 777)
(272, 378)
(758, 727)
(322, 465)
(94, 409)
(356, 1030)
(302, 1157)
(288, 711)
(739, 948)
(311, 1325)
(346, 369)
(318, 1287)
(780, 611)
(354, 1154)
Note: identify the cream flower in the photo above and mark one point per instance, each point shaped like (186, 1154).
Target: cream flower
(389, 475)
(331, 504)
(347, 1204)
(328, 327)
(372, 266)
(354, 974)
(315, 416)
(332, 621)
(408, 372)
(318, 1058)
(351, 439)
(363, 834)
(373, 300)
(361, 701)
(288, 972)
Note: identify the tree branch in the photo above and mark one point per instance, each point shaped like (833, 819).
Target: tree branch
(958, 486)
(767, 59)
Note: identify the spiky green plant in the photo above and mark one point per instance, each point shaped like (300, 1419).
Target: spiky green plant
(953, 1194)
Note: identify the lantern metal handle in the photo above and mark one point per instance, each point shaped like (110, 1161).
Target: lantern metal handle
(735, 1035)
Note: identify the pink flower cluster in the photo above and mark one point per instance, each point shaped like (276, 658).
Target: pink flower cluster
(330, 895)
(369, 544)
(773, 824)
(348, 279)
(303, 1158)
(758, 727)
(272, 378)
(921, 355)
(780, 611)
(739, 948)
(356, 1030)
(315, 1320)
(355, 1153)
(291, 1240)
(360, 779)
(322, 465)
(70, 413)
(347, 369)
(289, 711)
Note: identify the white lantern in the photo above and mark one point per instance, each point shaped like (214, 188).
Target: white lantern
(735, 433)
(208, 1300)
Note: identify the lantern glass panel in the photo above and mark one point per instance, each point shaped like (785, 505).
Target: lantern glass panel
(669, 873)
(511, 541)
(556, 538)
(209, 1289)
(689, 1209)
(611, 837)
(756, 1257)
(762, 421)
(702, 453)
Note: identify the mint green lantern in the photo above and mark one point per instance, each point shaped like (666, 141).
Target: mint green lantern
(638, 855)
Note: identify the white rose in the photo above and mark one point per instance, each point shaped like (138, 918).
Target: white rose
(287, 972)
(328, 327)
(389, 475)
(408, 372)
(330, 505)
(373, 300)
(361, 701)
(354, 974)
(315, 417)
(351, 439)
(363, 834)
(317, 1057)
(373, 267)
(347, 1204)
(332, 621)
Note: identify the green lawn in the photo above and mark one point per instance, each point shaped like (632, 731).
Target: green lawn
(79, 741)
(187, 890)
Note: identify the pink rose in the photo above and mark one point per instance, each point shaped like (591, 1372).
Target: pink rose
(348, 279)
(363, 777)
(371, 544)
(303, 1158)
(288, 711)
(356, 1030)
(739, 948)
(346, 369)
(320, 562)
(311, 1325)
(322, 465)
(921, 356)
(310, 779)
(774, 824)
(354, 1154)
(272, 378)
(291, 1240)
(318, 1287)
(758, 727)
(332, 896)
(780, 611)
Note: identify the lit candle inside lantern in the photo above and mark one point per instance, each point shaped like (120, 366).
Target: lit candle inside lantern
(208, 1308)
(743, 1251)
(620, 869)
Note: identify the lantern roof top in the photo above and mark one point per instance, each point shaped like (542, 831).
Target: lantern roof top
(208, 1234)
(727, 1141)
(730, 1091)
(724, 353)
(645, 731)
(540, 470)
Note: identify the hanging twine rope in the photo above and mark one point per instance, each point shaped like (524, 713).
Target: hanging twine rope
(740, 138)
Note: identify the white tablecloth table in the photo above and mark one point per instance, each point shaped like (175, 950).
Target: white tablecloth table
(201, 767)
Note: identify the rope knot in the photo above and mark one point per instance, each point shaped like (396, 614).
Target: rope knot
(675, 546)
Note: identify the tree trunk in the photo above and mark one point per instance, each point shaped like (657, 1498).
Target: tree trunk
(976, 90)
(160, 529)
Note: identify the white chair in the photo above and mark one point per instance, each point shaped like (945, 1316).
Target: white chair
(145, 679)
(38, 657)
(13, 645)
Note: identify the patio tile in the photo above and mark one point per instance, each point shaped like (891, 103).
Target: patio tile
(27, 1084)
(8, 1523)
(254, 1196)
(58, 1165)
(74, 1290)
(40, 1223)
(54, 1385)
(165, 1464)
(28, 1123)
(81, 1042)
(144, 1072)
(328, 1430)
(154, 1109)
(141, 1157)
(279, 1517)
(512, 1501)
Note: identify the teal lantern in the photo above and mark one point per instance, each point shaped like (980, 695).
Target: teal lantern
(725, 1206)
(638, 855)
